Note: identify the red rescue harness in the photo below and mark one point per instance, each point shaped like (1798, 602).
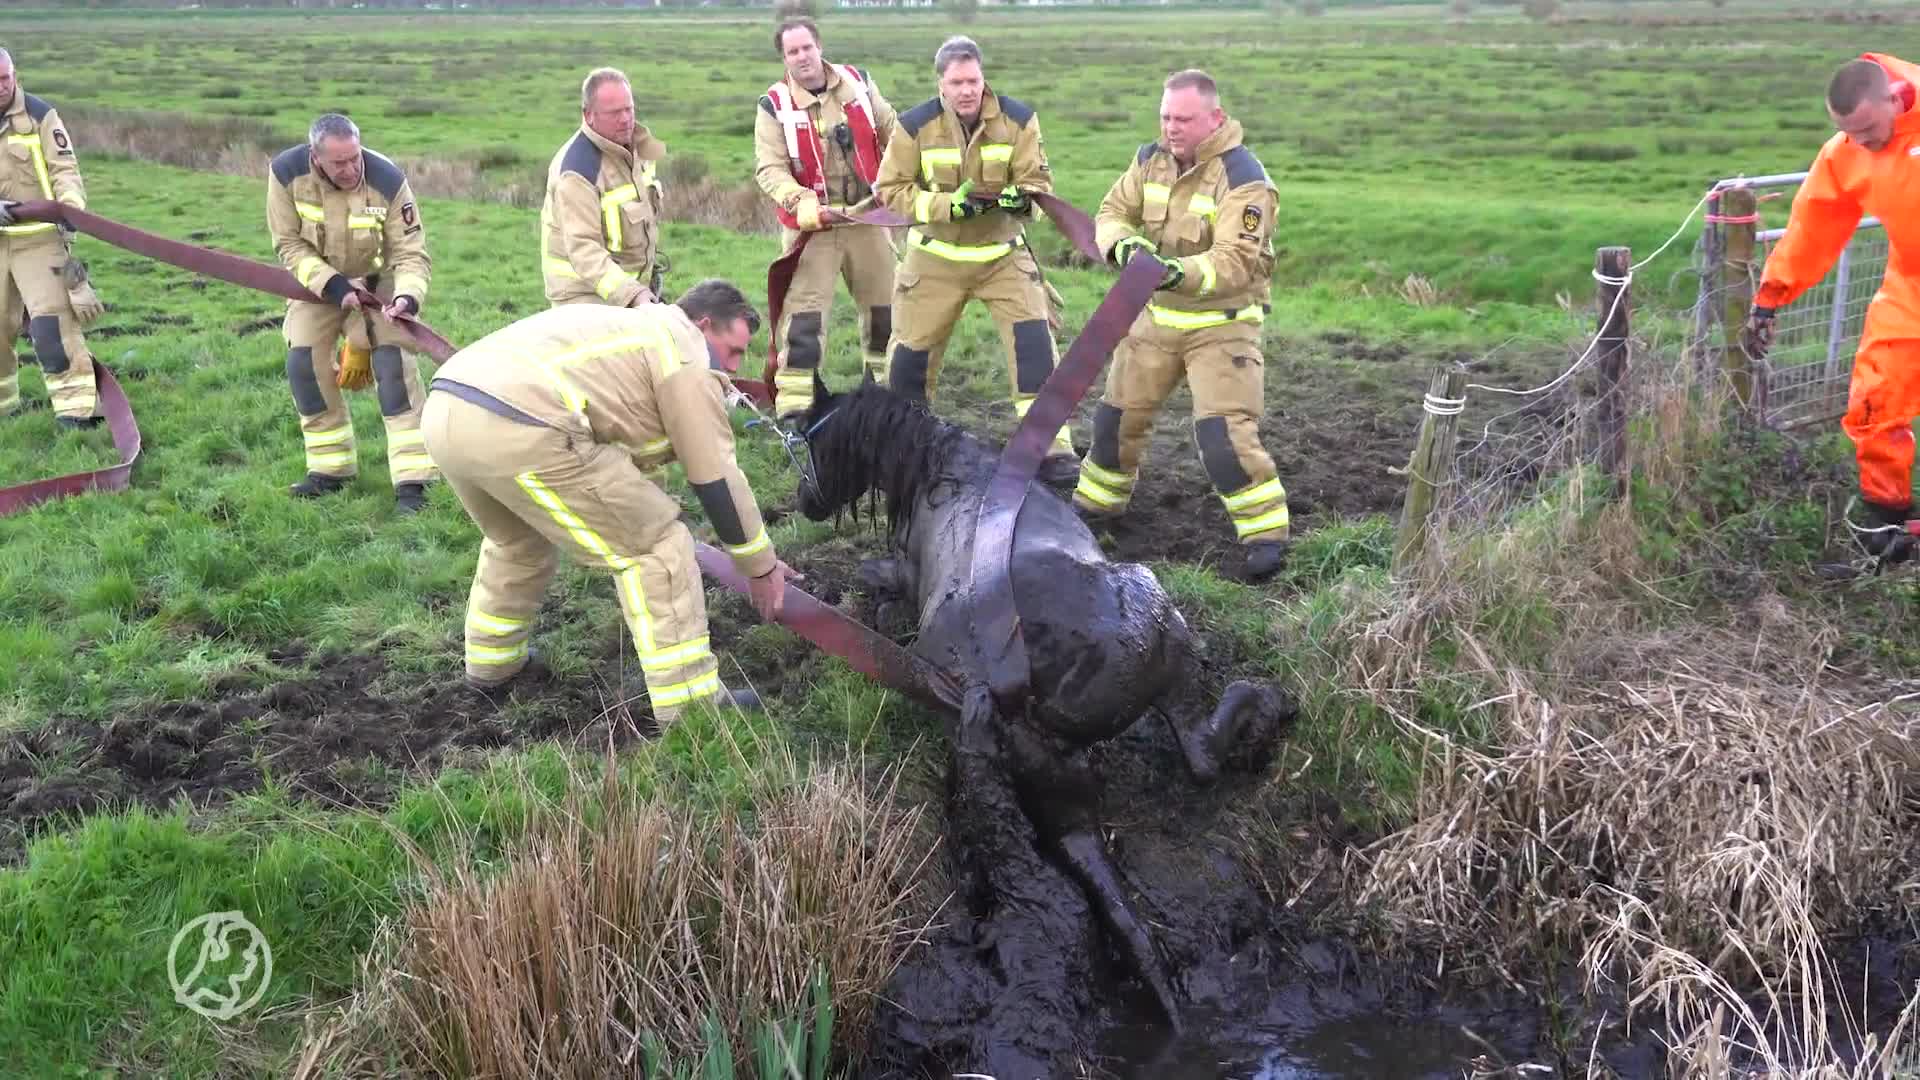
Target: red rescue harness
(808, 152)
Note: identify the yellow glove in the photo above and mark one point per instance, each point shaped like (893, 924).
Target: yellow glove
(356, 368)
(807, 212)
(86, 303)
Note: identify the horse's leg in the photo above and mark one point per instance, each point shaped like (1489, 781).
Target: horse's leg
(1207, 737)
(1063, 796)
(1034, 918)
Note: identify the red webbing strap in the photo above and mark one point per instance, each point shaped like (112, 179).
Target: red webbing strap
(126, 439)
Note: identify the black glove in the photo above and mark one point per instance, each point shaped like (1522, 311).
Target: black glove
(973, 207)
(337, 289)
(1175, 272)
(412, 305)
(1015, 201)
(6, 212)
(1756, 337)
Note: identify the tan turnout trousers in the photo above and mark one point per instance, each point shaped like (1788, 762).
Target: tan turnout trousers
(313, 332)
(1224, 368)
(32, 291)
(864, 258)
(534, 491)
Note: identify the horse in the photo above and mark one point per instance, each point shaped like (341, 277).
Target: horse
(1104, 641)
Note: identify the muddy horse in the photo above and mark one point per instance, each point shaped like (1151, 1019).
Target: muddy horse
(1104, 642)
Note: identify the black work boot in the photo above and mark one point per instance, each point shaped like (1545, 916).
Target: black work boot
(1888, 539)
(317, 484)
(1264, 558)
(78, 423)
(494, 687)
(409, 498)
(744, 700)
(1060, 471)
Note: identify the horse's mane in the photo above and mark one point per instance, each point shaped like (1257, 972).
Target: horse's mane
(892, 447)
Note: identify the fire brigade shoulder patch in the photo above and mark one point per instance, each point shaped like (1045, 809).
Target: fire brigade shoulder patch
(1250, 219)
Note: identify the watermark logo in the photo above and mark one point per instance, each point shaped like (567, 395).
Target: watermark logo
(227, 963)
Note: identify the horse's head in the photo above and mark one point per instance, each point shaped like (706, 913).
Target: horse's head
(831, 480)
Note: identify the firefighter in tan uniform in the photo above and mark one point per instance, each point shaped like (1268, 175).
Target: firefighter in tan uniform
(342, 216)
(600, 222)
(818, 139)
(962, 167)
(543, 430)
(39, 163)
(1203, 204)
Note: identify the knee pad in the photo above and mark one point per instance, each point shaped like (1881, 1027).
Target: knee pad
(1032, 355)
(879, 328)
(803, 340)
(390, 380)
(47, 346)
(907, 372)
(1217, 454)
(1105, 451)
(304, 382)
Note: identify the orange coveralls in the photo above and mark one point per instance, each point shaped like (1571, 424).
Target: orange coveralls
(1845, 182)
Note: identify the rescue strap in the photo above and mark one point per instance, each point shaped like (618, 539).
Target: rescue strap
(126, 439)
(1074, 224)
(996, 633)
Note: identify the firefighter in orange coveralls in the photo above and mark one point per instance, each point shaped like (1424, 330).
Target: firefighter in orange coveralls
(1202, 203)
(818, 138)
(543, 429)
(1871, 166)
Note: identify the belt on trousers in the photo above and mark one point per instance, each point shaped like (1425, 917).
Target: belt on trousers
(476, 396)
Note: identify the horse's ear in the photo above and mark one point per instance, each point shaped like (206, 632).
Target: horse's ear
(820, 391)
(866, 376)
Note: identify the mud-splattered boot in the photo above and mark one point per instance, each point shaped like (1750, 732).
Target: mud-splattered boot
(409, 498)
(317, 484)
(1264, 559)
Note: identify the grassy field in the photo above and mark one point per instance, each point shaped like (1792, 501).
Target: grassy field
(1485, 158)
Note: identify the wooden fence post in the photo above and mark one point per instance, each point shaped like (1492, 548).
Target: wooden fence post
(1432, 463)
(1612, 267)
(1739, 209)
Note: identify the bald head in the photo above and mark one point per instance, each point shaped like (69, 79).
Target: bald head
(1861, 103)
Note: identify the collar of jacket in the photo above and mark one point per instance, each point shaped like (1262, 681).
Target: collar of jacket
(803, 97)
(645, 146)
(1224, 138)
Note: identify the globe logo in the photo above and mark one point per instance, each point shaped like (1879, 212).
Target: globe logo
(227, 965)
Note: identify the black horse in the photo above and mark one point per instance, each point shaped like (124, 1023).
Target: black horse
(1104, 642)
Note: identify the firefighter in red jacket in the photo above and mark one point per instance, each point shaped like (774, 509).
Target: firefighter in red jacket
(819, 136)
(1870, 166)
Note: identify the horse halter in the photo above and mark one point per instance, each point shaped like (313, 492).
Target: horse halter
(788, 440)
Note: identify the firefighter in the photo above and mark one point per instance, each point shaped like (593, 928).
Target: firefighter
(1201, 203)
(963, 166)
(40, 282)
(1870, 166)
(344, 216)
(600, 221)
(543, 430)
(818, 139)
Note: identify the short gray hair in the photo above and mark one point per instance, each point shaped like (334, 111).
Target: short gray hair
(331, 126)
(1195, 79)
(957, 47)
(597, 78)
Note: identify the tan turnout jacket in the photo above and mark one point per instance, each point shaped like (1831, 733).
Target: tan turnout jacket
(600, 222)
(326, 236)
(931, 154)
(39, 162)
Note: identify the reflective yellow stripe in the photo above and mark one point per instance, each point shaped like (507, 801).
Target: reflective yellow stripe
(23, 230)
(679, 693)
(1155, 193)
(1254, 495)
(407, 438)
(344, 457)
(1204, 206)
(304, 270)
(957, 252)
(329, 437)
(560, 268)
(677, 656)
(752, 547)
(943, 155)
(358, 221)
(493, 624)
(1119, 482)
(610, 212)
(566, 519)
(1264, 523)
(996, 152)
(310, 211)
(923, 207)
(490, 655)
(1200, 320)
(1205, 263)
(610, 281)
(793, 379)
(570, 393)
(1094, 492)
(654, 446)
(32, 143)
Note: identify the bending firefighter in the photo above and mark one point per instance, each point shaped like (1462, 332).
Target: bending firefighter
(963, 166)
(1201, 203)
(543, 430)
(818, 138)
(343, 219)
(1871, 166)
(600, 222)
(38, 275)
